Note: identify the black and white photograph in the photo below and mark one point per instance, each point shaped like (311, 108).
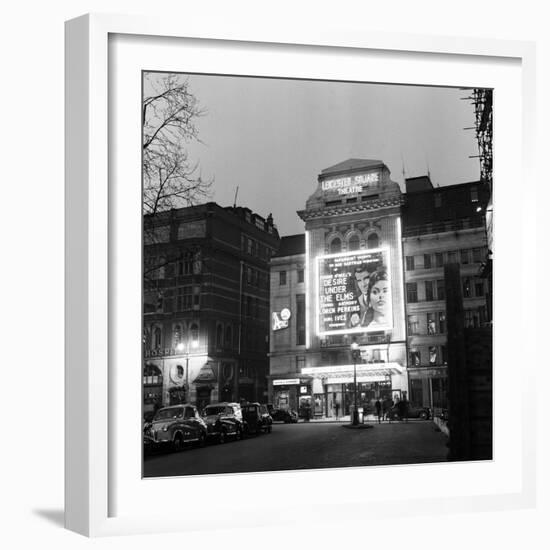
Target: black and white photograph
(317, 274)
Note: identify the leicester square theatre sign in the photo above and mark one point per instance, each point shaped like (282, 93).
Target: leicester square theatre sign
(354, 292)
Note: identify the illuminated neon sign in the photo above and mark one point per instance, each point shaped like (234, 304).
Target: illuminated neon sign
(280, 320)
(354, 292)
(349, 185)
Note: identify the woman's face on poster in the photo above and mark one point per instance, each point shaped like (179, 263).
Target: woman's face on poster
(380, 297)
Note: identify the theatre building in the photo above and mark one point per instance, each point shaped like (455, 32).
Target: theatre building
(352, 236)
(440, 225)
(206, 305)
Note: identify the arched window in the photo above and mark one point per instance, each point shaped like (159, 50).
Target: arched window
(194, 330)
(335, 245)
(372, 241)
(228, 336)
(219, 336)
(353, 242)
(157, 338)
(177, 336)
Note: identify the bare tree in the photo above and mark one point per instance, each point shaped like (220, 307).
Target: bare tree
(170, 111)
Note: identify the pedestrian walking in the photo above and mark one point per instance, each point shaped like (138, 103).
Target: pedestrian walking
(387, 407)
(378, 406)
(336, 408)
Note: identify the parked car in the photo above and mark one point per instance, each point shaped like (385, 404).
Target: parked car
(413, 411)
(288, 416)
(257, 418)
(223, 420)
(176, 426)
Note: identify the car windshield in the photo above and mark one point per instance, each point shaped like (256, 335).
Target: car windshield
(250, 408)
(165, 414)
(213, 410)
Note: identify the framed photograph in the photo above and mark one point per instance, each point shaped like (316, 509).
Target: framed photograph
(284, 257)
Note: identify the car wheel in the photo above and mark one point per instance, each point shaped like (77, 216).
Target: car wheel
(178, 443)
(423, 415)
(221, 437)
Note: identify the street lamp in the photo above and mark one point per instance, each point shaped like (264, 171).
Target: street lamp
(180, 347)
(355, 353)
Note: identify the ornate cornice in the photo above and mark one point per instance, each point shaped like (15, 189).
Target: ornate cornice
(336, 210)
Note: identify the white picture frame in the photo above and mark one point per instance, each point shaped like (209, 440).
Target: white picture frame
(104, 495)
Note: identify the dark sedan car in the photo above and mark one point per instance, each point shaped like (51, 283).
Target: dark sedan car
(223, 420)
(409, 411)
(283, 415)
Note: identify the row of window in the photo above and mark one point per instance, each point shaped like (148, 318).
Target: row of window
(153, 336)
(435, 323)
(255, 248)
(436, 355)
(283, 277)
(255, 277)
(353, 243)
(438, 259)
(472, 287)
(438, 197)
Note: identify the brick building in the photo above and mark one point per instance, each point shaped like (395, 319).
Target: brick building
(206, 305)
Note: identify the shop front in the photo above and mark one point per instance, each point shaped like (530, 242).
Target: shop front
(334, 390)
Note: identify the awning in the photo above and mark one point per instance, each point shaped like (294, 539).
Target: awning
(362, 370)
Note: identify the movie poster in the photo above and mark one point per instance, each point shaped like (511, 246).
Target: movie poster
(354, 292)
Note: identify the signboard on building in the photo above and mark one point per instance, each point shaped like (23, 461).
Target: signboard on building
(354, 292)
(279, 320)
(350, 185)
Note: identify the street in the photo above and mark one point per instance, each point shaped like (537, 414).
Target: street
(306, 446)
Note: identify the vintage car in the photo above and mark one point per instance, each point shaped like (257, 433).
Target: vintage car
(176, 426)
(257, 418)
(223, 420)
(288, 416)
(409, 411)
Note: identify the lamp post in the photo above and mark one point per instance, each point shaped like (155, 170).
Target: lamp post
(354, 354)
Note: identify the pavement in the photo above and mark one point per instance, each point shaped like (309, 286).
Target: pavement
(309, 445)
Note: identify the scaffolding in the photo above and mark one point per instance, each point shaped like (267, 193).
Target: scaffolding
(482, 101)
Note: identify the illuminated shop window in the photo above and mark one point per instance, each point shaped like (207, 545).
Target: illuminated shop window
(373, 241)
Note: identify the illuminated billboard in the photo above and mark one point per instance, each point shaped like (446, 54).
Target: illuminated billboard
(354, 292)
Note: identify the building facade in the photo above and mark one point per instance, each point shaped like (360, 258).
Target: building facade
(360, 227)
(443, 225)
(206, 305)
(352, 229)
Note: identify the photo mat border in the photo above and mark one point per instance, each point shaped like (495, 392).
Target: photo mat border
(87, 420)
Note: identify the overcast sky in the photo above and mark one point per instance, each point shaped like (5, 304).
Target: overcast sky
(272, 137)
